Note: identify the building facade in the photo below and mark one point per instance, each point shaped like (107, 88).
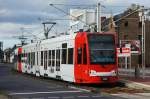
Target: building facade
(128, 27)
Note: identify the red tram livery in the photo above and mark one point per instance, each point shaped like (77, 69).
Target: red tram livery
(80, 58)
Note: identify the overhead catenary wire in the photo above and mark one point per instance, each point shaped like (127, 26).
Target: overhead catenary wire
(66, 13)
(76, 4)
(88, 5)
(122, 17)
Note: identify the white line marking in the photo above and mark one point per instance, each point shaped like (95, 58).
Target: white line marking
(35, 98)
(53, 92)
(81, 89)
(53, 97)
(96, 96)
(68, 97)
(83, 96)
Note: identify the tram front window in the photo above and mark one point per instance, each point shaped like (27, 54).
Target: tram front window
(102, 49)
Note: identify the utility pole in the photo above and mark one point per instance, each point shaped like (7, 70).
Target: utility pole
(22, 37)
(99, 17)
(142, 19)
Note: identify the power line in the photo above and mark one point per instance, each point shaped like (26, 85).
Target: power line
(66, 13)
(75, 5)
(89, 5)
(122, 17)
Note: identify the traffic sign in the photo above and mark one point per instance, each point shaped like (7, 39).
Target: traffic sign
(123, 52)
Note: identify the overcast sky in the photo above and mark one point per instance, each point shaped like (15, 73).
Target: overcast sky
(15, 14)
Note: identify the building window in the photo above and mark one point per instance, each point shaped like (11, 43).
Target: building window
(126, 24)
(140, 24)
(70, 55)
(126, 37)
(140, 38)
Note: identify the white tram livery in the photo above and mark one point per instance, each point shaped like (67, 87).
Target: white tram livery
(71, 58)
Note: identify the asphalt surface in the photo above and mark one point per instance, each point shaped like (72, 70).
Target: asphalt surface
(22, 86)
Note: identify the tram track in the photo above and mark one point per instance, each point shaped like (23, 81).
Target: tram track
(119, 87)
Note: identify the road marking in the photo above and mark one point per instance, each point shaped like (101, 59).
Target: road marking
(81, 89)
(35, 98)
(53, 92)
(68, 97)
(53, 97)
(96, 96)
(83, 96)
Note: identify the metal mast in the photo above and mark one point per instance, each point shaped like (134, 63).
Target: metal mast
(99, 17)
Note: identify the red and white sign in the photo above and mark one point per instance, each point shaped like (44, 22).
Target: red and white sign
(123, 52)
(133, 44)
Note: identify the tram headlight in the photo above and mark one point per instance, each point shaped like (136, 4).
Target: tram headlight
(114, 73)
(92, 73)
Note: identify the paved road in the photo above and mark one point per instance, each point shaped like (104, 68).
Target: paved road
(19, 86)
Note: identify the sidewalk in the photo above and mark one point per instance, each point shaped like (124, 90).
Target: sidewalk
(138, 83)
(3, 97)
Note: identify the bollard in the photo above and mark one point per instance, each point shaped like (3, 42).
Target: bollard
(137, 72)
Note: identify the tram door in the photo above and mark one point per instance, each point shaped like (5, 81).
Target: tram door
(81, 58)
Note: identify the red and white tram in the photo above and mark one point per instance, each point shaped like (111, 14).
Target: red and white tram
(80, 58)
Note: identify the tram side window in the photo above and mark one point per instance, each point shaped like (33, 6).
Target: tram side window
(22, 58)
(53, 57)
(49, 58)
(33, 58)
(64, 56)
(41, 58)
(58, 60)
(37, 58)
(45, 59)
(15, 58)
(29, 58)
(19, 57)
(70, 55)
(26, 58)
(79, 55)
(64, 53)
(84, 55)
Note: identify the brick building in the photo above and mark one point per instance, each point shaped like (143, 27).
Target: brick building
(129, 28)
